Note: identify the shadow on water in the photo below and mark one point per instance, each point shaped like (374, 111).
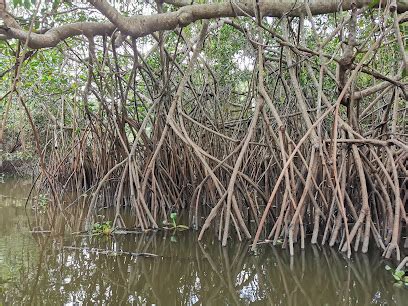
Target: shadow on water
(44, 268)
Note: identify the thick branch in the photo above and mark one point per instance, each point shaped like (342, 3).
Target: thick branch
(144, 25)
(138, 26)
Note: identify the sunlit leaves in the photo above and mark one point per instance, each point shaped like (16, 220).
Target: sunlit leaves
(24, 3)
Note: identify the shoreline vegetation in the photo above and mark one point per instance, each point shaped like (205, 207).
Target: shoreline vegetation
(270, 122)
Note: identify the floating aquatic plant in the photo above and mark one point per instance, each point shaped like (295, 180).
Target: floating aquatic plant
(102, 228)
(399, 275)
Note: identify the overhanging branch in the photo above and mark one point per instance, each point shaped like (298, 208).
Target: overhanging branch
(138, 26)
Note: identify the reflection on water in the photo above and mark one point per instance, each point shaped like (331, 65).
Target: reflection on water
(44, 269)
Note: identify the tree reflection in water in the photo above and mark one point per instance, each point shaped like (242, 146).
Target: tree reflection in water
(58, 268)
(188, 272)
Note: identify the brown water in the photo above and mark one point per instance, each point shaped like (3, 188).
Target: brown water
(40, 269)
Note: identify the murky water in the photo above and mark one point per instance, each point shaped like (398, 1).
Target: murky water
(40, 269)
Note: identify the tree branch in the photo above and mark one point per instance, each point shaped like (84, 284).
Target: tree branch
(138, 26)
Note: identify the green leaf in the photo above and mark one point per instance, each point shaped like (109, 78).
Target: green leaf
(27, 4)
(405, 279)
(56, 4)
(373, 4)
(396, 277)
(399, 273)
(17, 2)
(173, 216)
(388, 268)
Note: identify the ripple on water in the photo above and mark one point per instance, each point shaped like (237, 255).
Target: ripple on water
(92, 270)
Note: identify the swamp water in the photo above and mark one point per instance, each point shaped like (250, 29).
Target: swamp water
(39, 269)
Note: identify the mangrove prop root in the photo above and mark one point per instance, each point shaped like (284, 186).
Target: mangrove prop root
(279, 157)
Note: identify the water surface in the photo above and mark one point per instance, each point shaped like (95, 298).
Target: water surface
(45, 269)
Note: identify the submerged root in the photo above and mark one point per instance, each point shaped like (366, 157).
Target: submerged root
(294, 160)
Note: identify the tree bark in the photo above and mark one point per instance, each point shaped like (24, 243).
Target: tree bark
(138, 26)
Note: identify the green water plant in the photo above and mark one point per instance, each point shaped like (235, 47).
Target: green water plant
(399, 276)
(102, 228)
(174, 225)
(42, 200)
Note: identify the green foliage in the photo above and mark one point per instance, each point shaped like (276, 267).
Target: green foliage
(174, 225)
(17, 156)
(29, 4)
(399, 276)
(173, 217)
(42, 200)
(374, 3)
(41, 83)
(223, 50)
(102, 228)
